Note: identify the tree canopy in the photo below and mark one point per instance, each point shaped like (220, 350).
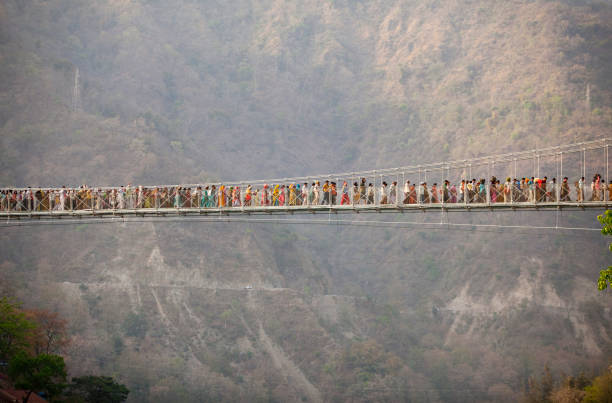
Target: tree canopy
(15, 329)
(98, 389)
(28, 340)
(42, 373)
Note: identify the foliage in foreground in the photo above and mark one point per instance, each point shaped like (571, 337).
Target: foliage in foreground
(605, 276)
(98, 389)
(44, 373)
(579, 389)
(28, 340)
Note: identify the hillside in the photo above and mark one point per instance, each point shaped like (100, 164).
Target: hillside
(189, 91)
(288, 88)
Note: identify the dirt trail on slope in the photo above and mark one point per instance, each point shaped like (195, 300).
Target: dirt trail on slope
(292, 371)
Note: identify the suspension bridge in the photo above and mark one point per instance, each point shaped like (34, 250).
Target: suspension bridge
(571, 176)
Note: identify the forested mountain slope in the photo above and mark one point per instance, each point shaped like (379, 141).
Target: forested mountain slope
(187, 91)
(291, 87)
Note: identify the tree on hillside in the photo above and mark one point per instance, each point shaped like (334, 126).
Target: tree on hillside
(605, 276)
(44, 373)
(15, 329)
(601, 389)
(50, 336)
(98, 389)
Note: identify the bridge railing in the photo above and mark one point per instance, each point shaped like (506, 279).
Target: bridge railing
(443, 184)
(324, 195)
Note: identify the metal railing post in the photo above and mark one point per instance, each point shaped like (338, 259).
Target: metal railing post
(584, 163)
(605, 186)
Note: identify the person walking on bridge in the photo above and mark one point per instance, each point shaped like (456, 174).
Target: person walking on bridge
(434, 193)
(333, 193)
(248, 195)
(265, 198)
(552, 191)
(305, 193)
(236, 202)
(298, 195)
(580, 190)
(292, 196)
(281, 195)
(370, 194)
(356, 194)
(326, 193)
(383, 194)
(565, 191)
(362, 191)
(344, 199)
(393, 193)
(406, 192)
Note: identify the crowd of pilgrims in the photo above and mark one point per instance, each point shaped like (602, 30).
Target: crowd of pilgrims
(532, 190)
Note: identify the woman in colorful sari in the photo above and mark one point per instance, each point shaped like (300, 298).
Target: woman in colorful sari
(445, 193)
(176, 197)
(275, 194)
(282, 196)
(222, 197)
(237, 201)
(596, 188)
(247, 196)
(482, 191)
(212, 196)
(204, 197)
(434, 193)
(493, 190)
(148, 199)
(88, 199)
(453, 193)
(292, 198)
(265, 198)
(298, 195)
(412, 196)
(344, 199)
(423, 193)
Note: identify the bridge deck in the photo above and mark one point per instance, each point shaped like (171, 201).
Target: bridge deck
(276, 210)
